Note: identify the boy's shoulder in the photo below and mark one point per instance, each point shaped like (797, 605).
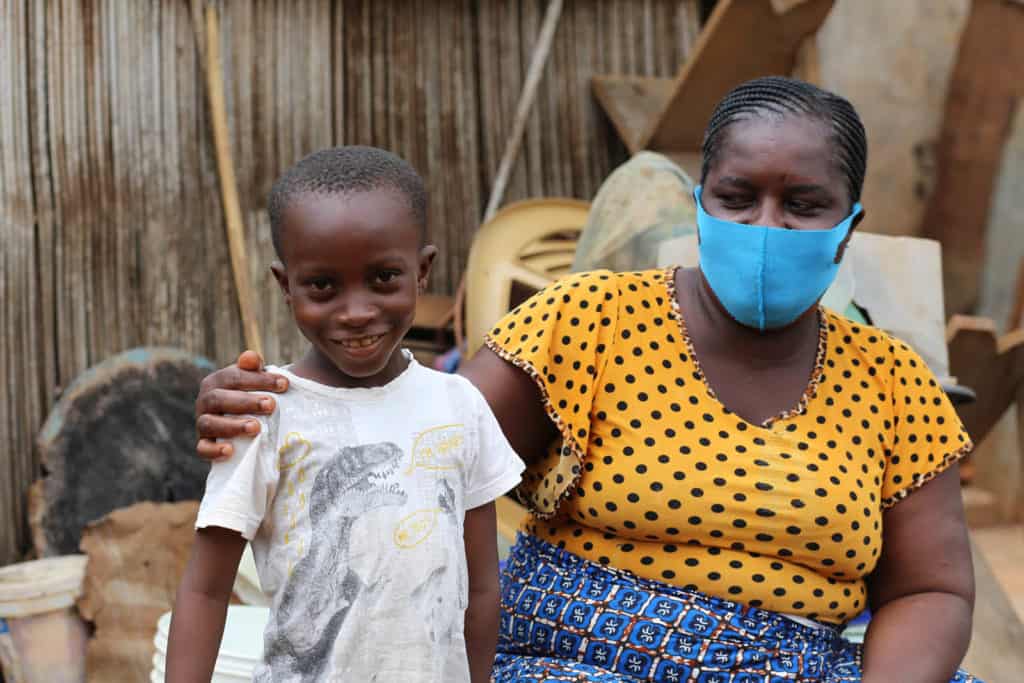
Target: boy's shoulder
(421, 383)
(455, 385)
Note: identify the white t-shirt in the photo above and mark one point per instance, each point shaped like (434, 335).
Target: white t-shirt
(353, 500)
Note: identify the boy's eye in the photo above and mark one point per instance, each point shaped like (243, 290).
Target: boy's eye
(386, 276)
(320, 284)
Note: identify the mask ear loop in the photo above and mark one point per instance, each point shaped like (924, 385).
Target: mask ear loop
(845, 243)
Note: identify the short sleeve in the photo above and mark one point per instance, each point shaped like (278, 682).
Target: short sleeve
(495, 468)
(239, 490)
(928, 435)
(560, 337)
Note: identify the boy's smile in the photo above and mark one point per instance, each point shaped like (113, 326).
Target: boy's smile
(352, 267)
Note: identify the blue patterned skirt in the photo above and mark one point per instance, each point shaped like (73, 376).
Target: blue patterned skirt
(564, 618)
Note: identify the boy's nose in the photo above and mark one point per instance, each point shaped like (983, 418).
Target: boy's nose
(356, 312)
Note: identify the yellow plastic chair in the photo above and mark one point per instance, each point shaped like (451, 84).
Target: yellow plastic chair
(527, 245)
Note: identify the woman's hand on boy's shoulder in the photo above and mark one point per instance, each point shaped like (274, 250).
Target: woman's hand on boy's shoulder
(224, 396)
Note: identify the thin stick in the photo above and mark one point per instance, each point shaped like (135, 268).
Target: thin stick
(228, 185)
(533, 76)
(508, 158)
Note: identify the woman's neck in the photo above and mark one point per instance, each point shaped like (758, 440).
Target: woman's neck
(707, 320)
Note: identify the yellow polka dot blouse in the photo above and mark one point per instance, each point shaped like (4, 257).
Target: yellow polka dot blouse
(654, 475)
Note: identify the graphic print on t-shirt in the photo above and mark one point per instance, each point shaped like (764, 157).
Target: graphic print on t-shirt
(438, 448)
(292, 463)
(320, 591)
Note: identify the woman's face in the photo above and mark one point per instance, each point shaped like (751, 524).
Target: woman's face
(777, 172)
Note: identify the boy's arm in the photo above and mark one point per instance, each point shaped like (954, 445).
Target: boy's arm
(480, 535)
(201, 605)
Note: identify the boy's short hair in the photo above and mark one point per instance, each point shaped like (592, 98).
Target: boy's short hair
(345, 171)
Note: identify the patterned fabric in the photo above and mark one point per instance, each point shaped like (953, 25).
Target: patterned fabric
(566, 619)
(644, 203)
(654, 475)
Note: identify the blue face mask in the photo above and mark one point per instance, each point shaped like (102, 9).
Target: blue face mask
(767, 277)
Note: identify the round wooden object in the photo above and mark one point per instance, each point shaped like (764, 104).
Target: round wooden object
(122, 433)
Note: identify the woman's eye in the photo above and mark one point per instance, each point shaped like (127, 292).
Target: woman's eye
(802, 207)
(731, 202)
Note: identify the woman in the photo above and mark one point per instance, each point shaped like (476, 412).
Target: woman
(732, 467)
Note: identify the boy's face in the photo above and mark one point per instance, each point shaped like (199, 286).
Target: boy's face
(353, 266)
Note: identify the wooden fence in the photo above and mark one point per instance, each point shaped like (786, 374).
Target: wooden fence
(112, 230)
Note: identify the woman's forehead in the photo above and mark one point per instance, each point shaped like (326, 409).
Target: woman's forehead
(797, 147)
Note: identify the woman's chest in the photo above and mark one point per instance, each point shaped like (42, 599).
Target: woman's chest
(667, 461)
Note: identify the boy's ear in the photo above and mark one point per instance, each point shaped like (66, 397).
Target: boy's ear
(281, 275)
(427, 256)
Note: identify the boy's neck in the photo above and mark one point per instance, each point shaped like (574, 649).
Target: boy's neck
(318, 368)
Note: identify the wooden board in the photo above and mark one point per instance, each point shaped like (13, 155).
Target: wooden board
(123, 433)
(993, 367)
(137, 556)
(743, 39)
(633, 104)
(1002, 279)
(986, 82)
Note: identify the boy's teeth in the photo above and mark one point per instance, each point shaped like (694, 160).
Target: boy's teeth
(360, 343)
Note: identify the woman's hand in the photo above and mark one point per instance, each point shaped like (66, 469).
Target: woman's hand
(223, 397)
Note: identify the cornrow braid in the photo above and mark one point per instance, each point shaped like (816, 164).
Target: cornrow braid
(781, 97)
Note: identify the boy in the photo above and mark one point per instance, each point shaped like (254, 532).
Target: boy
(368, 494)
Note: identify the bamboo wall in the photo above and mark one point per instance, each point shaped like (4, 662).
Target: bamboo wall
(112, 230)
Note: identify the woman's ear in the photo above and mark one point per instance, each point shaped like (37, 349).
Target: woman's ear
(281, 275)
(841, 251)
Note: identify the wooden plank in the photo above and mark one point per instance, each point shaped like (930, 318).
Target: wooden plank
(986, 82)
(1002, 281)
(743, 39)
(19, 293)
(632, 103)
(993, 368)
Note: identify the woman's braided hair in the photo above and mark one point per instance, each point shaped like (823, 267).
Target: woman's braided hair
(781, 97)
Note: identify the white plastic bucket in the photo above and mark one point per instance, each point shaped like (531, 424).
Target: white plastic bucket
(42, 638)
(241, 648)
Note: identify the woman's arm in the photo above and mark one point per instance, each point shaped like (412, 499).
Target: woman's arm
(511, 394)
(481, 628)
(922, 591)
(515, 400)
(201, 605)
